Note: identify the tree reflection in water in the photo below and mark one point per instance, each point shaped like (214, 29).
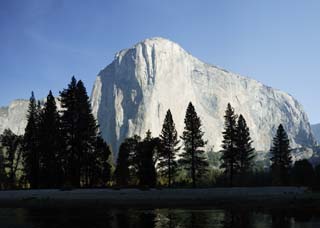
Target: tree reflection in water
(159, 218)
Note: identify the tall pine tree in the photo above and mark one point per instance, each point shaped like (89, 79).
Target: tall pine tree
(245, 150)
(169, 148)
(69, 119)
(193, 158)
(31, 144)
(80, 130)
(145, 159)
(229, 156)
(50, 145)
(87, 131)
(122, 172)
(281, 159)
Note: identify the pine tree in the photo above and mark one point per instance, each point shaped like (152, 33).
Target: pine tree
(100, 170)
(50, 145)
(229, 156)
(281, 160)
(169, 148)
(87, 133)
(80, 131)
(31, 144)
(145, 161)
(193, 158)
(134, 160)
(69, 119)
(11, 148)
(245, 150)
(122, 172)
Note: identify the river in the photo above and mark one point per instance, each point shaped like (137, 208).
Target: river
(163, 217)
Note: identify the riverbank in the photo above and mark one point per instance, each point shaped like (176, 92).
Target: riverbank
(262, 196)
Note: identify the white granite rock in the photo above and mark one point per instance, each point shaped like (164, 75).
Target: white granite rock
(133, 93)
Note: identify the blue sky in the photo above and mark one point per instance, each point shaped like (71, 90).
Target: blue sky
(44, 42)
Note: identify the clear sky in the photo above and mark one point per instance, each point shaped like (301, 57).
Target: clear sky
(44, 42)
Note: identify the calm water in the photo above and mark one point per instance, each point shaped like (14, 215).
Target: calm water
(139, 218)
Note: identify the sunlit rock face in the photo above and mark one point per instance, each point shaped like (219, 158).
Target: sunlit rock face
(14, 116)
(133, 93)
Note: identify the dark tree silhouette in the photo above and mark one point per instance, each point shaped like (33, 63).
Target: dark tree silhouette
(69, 122)
(303, 173)
(317, 176)
(3, 174)
(122, 172)
(134, 159)
(50, 145)
(100, 170)
(245, 150)
(280, 157)
(169, 148)
(229, 151)
(146, 159)
(11, 148)
(87, 130)
(79, 129)
(31, 144)
(193, 158)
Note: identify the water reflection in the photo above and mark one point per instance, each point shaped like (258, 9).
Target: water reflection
(159, 218)
(237, 218)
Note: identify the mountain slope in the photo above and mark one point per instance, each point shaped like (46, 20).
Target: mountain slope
(316, 131)
(133, 93)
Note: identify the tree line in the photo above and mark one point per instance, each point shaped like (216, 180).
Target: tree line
(237, 158)
(59, 148)
(65, 149)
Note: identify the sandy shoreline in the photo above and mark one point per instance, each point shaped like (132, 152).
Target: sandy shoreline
(158, 197)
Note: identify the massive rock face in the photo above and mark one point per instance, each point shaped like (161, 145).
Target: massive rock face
(133, 93)
(14, 116)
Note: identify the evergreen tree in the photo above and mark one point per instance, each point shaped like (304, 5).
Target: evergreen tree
(80, 131)
(169, 148)
(193, 158)
(122, 172)
(280, 157)
(134, 159)
(50, 145)
(244, 148)
(100, 170)
(303, 173)
(229, 151)
(31, 144)
(145, 161)
(87, 133)
(11, 148)
(3, 174)
(69, 119)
